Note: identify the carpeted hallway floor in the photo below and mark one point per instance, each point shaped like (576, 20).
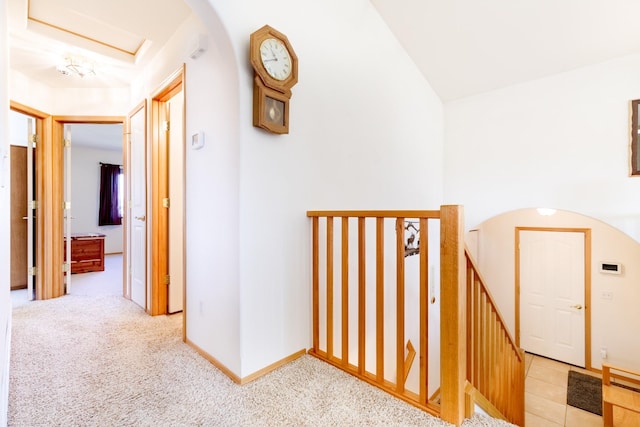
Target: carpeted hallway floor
(101, 361)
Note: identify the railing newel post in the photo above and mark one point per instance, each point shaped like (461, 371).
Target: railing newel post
(453, 326)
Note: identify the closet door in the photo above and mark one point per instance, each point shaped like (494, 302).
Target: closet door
(19, 218)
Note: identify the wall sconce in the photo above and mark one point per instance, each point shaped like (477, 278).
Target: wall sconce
(74, 66)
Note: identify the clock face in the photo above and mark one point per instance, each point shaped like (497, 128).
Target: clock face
(275, 58)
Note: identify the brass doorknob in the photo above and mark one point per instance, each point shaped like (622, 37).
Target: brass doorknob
(141, 218)
(578, 306)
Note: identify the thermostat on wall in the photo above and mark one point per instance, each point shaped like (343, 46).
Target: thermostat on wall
(611, 267)
(197, 140)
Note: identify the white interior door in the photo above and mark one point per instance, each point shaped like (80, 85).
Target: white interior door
(176, 211)
(67, 205)
(552, 297)
(137, 251)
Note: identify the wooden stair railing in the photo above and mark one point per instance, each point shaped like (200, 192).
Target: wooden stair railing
(495, 364)
(355, 300)
(627, 400)
(351, 313)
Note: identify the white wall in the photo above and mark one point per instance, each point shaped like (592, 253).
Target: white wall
(85, 194)
(613, 320)
(5, 268)
(89, 101)
(212, 264)
(364, 133)
(559, 142)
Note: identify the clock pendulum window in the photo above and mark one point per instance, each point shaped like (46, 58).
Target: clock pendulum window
(275, 67)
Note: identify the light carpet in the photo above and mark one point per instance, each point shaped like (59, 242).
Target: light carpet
(102, 361)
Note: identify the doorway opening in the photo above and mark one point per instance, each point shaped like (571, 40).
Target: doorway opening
(166, 199)
(27, 187)
(94, 192)
(78, 243)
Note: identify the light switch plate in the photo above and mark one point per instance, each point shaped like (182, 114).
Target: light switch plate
(197, 140)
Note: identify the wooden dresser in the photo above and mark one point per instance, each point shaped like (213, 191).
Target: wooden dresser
(87, 252)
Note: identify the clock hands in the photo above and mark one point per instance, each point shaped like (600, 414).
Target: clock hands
(275, 59)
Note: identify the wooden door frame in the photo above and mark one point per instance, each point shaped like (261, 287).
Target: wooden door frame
(43, 163)
(160, 191)
(55, 286)
(587, 283)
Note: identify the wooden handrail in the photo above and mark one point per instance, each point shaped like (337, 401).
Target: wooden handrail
(377, 214)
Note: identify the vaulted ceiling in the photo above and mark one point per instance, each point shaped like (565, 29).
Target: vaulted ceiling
(463, 47)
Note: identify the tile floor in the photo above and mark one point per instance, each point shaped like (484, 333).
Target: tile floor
(546, 395)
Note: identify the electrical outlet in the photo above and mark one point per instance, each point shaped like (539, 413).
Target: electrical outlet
(607, 294)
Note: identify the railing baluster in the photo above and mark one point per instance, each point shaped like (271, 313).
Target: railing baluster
(362, 293)
(345, 292)
(477, 334)
(316, 285)
(470, 315)
(424, 309)
(380, 299)
(330, 287)
(400, 344)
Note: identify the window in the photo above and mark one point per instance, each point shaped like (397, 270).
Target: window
(110, 212)
(121, 194)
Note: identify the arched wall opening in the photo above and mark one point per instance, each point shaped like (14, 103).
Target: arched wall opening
(613, 298)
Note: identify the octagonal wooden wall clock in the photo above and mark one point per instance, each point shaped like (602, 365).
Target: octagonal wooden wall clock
(275, 67)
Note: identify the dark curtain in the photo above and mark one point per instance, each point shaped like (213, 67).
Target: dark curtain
(109, 213)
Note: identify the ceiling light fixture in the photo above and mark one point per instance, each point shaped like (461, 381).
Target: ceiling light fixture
(74, 66)
(546, 211)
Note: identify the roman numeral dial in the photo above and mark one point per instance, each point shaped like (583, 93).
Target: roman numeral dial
(275, 58)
